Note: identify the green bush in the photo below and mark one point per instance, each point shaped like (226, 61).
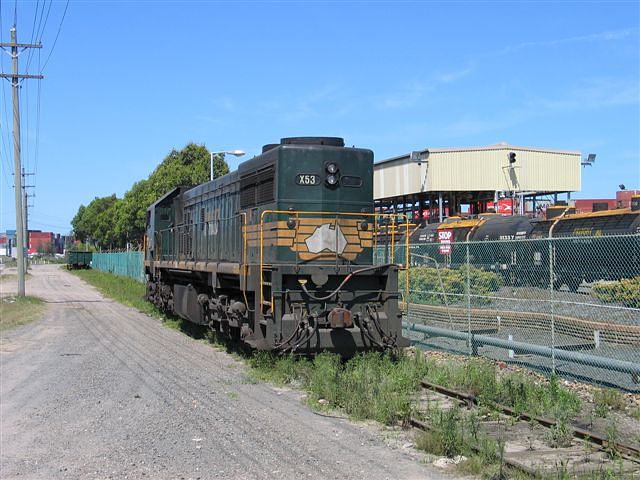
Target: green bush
(626, 291)
(426, 284)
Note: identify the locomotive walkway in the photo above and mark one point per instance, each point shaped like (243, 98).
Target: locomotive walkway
(98, 390)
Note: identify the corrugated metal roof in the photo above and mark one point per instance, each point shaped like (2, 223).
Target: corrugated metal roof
(472, 169)
(497, 146)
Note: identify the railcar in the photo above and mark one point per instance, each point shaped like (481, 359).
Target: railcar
(449, 241)
(77, 259)
(279, 253)
(583, 249)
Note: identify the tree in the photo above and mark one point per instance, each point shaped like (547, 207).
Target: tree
(112, 222)
(94, 222)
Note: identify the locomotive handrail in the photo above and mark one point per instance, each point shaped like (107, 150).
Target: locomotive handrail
(297, 214)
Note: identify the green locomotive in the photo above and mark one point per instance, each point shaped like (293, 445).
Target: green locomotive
(279, 254)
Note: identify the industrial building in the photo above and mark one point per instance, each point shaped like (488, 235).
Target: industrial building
(622, 200)
(436, 183)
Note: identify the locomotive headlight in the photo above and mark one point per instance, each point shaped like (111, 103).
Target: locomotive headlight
(332, 180)
(364, 225)
(291, 224)
(332, 168)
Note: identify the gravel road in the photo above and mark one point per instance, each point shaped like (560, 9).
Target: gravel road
(98, 390)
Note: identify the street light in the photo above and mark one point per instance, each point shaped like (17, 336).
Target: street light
(235, 153)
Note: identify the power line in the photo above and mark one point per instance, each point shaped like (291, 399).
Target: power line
(35, 17)
(24, 132)
(33, 27)
(33, 31)
(39, 31)
(38, 103)
(46, 19)
(57, 35)
(5, 107)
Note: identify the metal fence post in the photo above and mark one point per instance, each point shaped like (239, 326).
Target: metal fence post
(552, 299)
(468, 292)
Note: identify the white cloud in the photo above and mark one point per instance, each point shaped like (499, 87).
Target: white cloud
(606, 36)
(413, 91)
(224, 102)
(593, 94)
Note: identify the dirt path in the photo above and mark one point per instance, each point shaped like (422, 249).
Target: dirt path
(98, 390)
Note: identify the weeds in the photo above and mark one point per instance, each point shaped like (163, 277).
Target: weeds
(16, 311)
(560, 435)
(446, 437)
(612, 438)
(607, 399)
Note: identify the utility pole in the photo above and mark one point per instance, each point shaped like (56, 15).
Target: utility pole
(16, 48)
(25, 216)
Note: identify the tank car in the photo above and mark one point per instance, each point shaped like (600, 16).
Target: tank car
(448, 243)
(583, 249)
(279, 253)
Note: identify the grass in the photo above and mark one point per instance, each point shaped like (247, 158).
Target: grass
(16, 311)
(607, 399)
(369, 386)
(122, 289)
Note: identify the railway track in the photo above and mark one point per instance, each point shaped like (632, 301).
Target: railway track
(521, 460)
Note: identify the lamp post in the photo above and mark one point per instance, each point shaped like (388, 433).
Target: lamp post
(235, 153)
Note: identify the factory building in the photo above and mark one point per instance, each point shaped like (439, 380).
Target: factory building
(432, 184)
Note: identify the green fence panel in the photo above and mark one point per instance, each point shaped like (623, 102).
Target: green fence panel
(127, 264)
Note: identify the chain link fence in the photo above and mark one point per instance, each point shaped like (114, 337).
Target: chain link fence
(127, 264)
(568, 306)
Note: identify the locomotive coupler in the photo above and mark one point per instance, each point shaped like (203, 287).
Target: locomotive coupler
(340, 318)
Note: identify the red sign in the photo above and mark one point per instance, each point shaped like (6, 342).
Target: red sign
(503, 207)
(445, 237)
(445, 249)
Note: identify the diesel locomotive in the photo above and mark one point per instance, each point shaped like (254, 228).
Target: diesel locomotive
(279, 253)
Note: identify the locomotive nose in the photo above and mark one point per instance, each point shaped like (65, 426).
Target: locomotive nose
(340, 318)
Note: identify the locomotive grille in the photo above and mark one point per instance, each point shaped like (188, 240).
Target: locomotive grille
(257, 188)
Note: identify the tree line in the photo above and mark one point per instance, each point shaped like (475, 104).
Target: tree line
(111, 222)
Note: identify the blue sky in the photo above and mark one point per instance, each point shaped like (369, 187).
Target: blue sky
(129, 81)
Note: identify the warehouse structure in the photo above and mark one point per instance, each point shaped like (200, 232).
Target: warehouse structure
(436, 183)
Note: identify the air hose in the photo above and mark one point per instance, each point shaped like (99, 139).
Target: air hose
(346, 279)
